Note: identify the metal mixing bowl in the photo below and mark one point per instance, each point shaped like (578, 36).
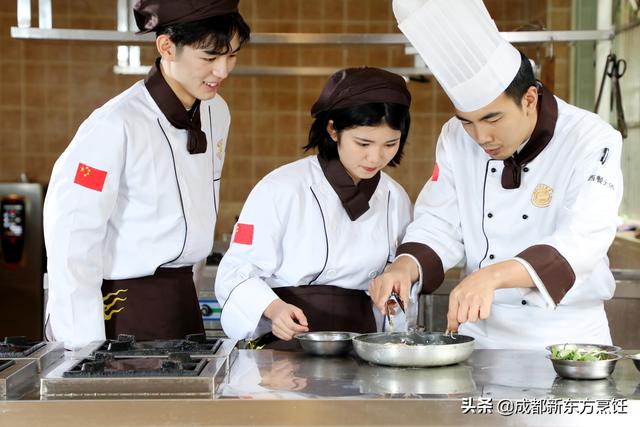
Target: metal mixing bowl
(586, 370)
(585, 347)
(636, 360)
(327, 343)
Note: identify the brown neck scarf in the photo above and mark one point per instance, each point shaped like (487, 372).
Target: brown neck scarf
(354, 198)
(542, 134)
(174, 111)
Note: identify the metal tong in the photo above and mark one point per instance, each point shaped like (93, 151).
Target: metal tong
(394, 297)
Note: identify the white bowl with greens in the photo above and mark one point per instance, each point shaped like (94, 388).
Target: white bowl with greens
(583, 361)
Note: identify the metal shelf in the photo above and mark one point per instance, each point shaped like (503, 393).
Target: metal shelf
(130, 37)
(282, 71)
(128, 55)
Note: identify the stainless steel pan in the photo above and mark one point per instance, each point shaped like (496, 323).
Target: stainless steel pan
(420, 349)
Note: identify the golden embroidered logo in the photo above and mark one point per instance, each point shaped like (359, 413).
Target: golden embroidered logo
(541, 197)
(219, 150)
(112, 299)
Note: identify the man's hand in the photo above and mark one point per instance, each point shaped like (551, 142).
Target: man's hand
(287, 320)
(471, 300)
(396, 277)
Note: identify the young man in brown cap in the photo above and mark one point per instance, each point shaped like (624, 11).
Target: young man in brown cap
(132, 201)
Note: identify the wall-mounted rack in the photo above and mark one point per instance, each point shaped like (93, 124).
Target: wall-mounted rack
(129, 56)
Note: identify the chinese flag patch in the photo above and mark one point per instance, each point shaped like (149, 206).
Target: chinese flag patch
(90, 177)
(436, 173)
(244, 234)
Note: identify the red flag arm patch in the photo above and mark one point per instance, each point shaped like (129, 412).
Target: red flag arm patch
(90, 177)
(436, 173)
(244, 234)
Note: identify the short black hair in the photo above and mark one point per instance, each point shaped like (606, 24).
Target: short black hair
(214, 34)
(396, 116)
(523, 80)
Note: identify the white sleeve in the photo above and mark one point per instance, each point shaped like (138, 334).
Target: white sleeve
(75, 225)
(436, 222)
(255, 253)
(400, 217)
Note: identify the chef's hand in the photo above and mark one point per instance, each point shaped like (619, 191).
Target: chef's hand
(471, 300)
(396, 277)
(287, 320)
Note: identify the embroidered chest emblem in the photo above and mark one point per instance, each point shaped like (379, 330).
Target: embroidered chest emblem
(541, 197)
(219, 150)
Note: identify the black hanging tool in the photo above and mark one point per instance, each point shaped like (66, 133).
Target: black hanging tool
(614, 69)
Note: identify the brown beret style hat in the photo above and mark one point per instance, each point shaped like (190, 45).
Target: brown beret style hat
(151, 14)
(358, 86)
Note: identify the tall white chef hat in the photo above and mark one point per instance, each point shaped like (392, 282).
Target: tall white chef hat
(461, 45)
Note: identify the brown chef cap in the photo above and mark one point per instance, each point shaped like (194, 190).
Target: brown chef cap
(151, 14)
(358, 86)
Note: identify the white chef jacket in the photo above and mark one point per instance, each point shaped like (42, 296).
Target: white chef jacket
(466, 213)
(157, 207)
(302, 235)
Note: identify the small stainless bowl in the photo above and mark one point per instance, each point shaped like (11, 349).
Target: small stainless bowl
(585, 347)
(586, 370)
(636, 360)
(327, 343)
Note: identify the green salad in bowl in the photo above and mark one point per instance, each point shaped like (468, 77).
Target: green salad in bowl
(577, 354)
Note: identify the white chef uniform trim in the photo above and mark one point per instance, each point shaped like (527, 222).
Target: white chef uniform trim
(295, 213)
(541, 298)
(137, 222)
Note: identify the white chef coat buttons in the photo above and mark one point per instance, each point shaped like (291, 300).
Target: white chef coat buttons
(373, 274)
(525, 169)
(493, 170)
(331, 273)
(525, 216)
(524, 302)
(492, 256)
(490, 215)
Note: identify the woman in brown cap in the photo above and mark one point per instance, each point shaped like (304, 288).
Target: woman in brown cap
(132, 201)
(313, 233)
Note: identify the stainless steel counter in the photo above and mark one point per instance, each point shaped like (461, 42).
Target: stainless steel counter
(278, 388)
(499, 374)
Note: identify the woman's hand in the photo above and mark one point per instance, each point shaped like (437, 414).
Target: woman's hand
(287, 320)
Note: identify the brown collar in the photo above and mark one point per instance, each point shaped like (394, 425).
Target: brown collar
(174, 111)
(354, 198)
(542, 134)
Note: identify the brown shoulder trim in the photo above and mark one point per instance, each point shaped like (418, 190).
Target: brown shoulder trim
(553, 269)
(430, 262)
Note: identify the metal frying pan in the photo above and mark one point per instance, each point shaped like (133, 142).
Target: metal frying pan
(414, 348)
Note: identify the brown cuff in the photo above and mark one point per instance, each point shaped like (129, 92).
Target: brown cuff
(430, 262)
(552, 268)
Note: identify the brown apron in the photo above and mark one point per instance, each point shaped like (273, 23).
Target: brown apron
(162, 306)
(327, 308)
